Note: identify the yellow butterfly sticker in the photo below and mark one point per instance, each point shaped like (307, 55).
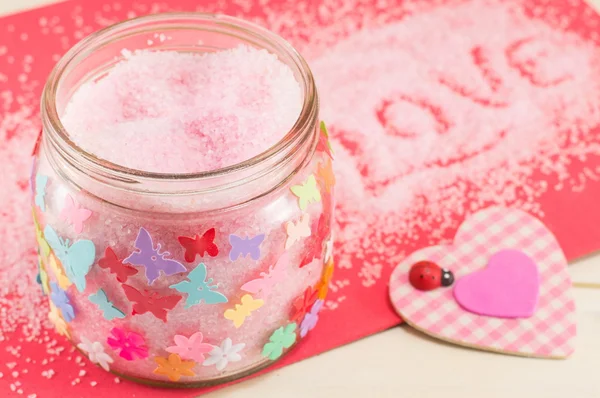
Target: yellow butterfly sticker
(326, 175)
(56, 318)
(307, 193)
(43, 275)
(42, 244)
(243, 311)
(59, 273)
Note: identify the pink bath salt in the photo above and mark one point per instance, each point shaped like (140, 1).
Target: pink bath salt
(174, 112)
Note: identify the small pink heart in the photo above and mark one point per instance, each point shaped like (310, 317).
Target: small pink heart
(507, 288)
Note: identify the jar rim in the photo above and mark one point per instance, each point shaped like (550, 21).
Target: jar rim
(303, 126)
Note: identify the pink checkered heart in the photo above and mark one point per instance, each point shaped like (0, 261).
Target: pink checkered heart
(548, 333)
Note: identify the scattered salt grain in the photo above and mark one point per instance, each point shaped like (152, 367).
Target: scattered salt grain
(81, 373)
(93, 383)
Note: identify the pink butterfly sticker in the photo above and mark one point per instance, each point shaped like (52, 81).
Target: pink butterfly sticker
(297, 231)
(268, 280)
(73, 214)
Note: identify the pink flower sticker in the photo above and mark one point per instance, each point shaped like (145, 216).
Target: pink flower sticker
(190, 348)
(130, 344)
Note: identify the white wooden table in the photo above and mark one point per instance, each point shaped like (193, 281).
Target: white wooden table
(403, 363)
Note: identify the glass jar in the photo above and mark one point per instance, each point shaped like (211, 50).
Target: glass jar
(182, 279)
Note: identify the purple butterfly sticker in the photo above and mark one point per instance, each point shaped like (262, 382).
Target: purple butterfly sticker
(244, 246)
(310, 319)
(152, 259)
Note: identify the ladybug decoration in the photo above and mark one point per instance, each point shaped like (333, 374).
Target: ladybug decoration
(427, 275)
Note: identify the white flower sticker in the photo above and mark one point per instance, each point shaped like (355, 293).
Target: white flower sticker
(95, 353)
(221, 356)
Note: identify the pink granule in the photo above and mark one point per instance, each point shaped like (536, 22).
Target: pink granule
(177, 112)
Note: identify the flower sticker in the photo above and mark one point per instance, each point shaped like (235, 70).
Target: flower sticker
(61, 300)
(310, 319)
(57, 320)
(174, 367)
(284, 337)
(227, 352)
(129, 344)
(303, 303)
(190, 348)
(95, 353)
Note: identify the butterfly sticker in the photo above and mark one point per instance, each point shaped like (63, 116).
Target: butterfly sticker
(109, 310)
(245, 246)
(199, 288)
(43, 246)
(59, 272)
(307, 193)
(61, 300)
(268, 280)
(73, 214)
(76, 258)
(323, 144)
(150, 301)
(199, 245)
(326, 175)
(297, 231)
(40, 191)
(152, 259)
(243, 311)
(111, 262)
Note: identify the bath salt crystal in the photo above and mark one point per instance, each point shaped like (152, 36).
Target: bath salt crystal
(177, 112)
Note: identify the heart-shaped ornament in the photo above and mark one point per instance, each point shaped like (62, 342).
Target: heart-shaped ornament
(512, 290)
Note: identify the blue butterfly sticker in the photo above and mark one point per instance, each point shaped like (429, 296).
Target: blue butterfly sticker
(109, 310)
(77, 259)
(40, 191)
(61, 300)
(199, 288)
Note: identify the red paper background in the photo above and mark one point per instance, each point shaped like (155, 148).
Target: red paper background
(358, 305)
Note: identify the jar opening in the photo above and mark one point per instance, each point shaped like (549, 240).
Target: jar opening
(92, 57)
